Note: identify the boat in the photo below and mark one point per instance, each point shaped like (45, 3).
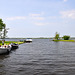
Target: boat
(28, 40)
(14, 46)
(4, 50)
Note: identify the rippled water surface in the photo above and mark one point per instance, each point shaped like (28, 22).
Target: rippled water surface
(41, 57)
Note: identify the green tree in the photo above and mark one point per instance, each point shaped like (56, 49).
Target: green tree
(1, 27)
(65, 37)
(3, 30)
(57, 36)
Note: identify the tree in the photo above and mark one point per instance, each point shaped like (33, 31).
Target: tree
(2, 25)
(65, 37)
(3, 29)
(57, 36)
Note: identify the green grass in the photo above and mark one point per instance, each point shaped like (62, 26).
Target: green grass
(64, 40)
(8, 42)
(68, 40)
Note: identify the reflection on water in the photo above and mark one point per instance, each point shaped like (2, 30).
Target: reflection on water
(41, 57)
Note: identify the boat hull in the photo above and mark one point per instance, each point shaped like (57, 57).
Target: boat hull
(4, 50)
(28, 40)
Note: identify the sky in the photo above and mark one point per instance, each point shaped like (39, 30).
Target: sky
(38, 18)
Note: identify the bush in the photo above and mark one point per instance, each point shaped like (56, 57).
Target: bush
(66, 37)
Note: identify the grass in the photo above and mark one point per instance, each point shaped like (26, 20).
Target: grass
(8, 42)
(68, 40)
(64, 40)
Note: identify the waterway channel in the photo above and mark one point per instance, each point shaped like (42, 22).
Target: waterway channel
(41, 57)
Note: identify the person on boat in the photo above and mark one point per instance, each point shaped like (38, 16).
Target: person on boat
(2, 42)
(9, 45)
(0, 45)
(12, 43)
(5, 45)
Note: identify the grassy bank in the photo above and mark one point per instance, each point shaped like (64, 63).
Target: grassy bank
(64, 40)
(7, 42)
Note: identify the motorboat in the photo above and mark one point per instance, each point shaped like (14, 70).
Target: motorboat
(28, 40)
(14, 46)
(4, 50)
(7, 48)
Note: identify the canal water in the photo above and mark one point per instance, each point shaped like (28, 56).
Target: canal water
(41, 57)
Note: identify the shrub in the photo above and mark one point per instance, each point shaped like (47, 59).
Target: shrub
(65, 37)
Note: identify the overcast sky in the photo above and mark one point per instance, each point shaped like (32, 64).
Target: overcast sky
(38, 18)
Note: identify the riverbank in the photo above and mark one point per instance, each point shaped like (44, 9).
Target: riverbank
(64, 40)
(8, 42)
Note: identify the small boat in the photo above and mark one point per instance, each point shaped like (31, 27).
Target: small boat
(28, 40)
(5, 50)
(14, 46)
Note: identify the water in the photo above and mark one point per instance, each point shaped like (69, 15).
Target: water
(41, 57)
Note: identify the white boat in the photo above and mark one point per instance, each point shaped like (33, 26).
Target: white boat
(28, 40)
(5, 50)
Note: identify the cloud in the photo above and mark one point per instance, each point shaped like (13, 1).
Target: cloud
(39, 24)
(44, 23)
(29, 17)
(65, 0)
(68, 14)
(52, 17)
(36, 16)
(50, 23)
(16, 18)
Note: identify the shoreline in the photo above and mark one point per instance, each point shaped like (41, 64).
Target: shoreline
(8, 42)
(64, 40)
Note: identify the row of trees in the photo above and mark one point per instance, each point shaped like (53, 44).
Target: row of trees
(3, 29)
(65, 37)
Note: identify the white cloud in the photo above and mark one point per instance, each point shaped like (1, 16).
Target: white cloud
(68, 14)
(52, 17)
(49, 23)
(39, 24)
(43, 23)
(16, 18)
(30, 17)
(65, 0)
(36, 16)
